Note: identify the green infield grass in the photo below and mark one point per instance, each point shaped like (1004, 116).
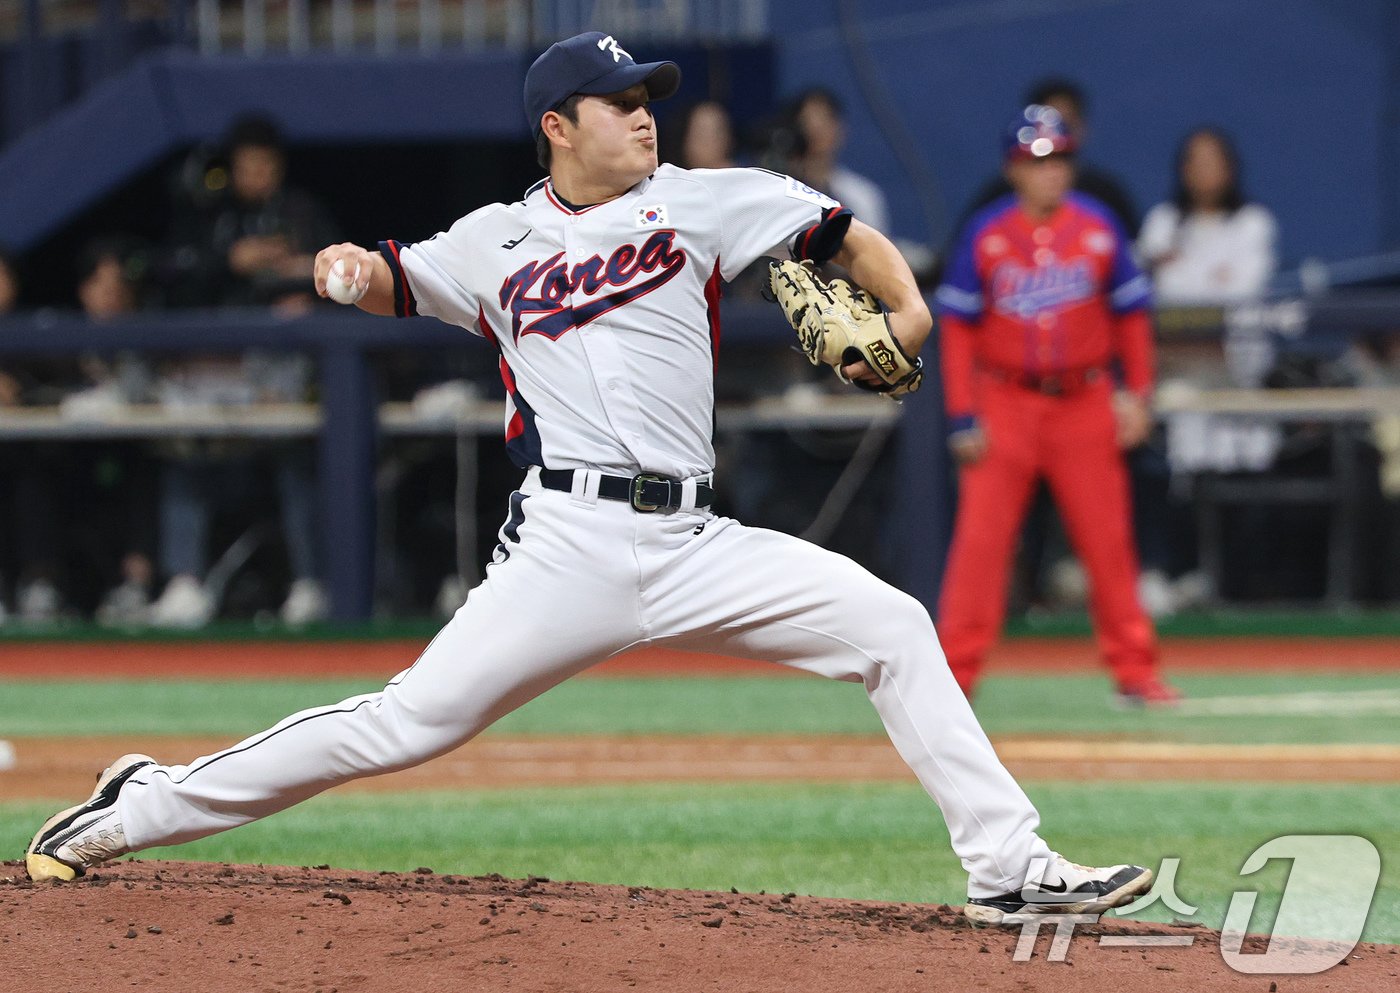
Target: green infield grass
(1289, 707)
(864, 841)
(1218, 622)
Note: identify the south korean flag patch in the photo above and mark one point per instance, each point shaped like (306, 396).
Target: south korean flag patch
(652, 217)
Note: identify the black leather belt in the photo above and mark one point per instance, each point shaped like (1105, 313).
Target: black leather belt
(646, 492)
(1055, 384)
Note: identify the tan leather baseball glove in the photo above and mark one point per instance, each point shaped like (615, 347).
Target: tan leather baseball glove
(837, 324)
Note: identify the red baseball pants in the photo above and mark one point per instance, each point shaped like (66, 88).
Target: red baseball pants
(1071, 441)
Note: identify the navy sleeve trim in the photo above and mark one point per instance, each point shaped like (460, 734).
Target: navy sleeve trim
(962, 422)
(404, 303)
(955, 300)
(823, 240)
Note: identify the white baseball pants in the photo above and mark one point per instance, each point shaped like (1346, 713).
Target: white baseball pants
(575, 581)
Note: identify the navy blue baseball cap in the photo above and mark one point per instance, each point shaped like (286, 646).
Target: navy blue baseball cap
(592, 63)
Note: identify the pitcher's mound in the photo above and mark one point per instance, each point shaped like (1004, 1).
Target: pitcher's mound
(180, 926)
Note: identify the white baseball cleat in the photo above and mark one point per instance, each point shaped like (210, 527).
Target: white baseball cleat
(306, 603)
(1063, 888)
(74, 840)
(185, 603)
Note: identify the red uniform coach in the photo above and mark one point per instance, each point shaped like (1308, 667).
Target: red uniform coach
(1047, 371)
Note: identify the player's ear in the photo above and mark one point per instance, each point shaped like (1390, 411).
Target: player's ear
(553, 126)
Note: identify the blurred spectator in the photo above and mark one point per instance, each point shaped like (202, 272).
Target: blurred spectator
(1209, 244)
(32, 473)
(9, 385)
(251, 245)
(9, 299)
(111, 280)
(203, 478)
(1374, 361)
(701, 136)
(1068, 99)
(820, 122)
(75, 507)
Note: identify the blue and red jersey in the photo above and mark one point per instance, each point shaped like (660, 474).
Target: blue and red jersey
(1036, 298)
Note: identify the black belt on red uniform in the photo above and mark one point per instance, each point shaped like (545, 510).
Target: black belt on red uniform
(1053, 384)
(647, 492)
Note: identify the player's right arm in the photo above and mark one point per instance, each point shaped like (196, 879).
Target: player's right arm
(960, 305)
(966, 438)
(374, 274)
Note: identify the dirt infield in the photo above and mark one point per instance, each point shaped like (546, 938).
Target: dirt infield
(260, 660)
(172, 926)
(62, 768)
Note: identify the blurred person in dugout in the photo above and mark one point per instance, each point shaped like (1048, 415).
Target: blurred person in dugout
(247, 244)
(79, 508)
(241, 237)
(1209, 245)
(1040, 298)
(700, 136)
(11, 395)
(821, 123)
(29, 553)
(113, 280)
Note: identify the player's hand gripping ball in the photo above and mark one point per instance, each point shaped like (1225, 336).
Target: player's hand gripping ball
(342, 288)
(838, 324)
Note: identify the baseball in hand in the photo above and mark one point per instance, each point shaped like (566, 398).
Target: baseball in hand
(342, 288)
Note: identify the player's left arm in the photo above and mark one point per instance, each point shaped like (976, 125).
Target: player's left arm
(876, 265)
(1130, 297)
(1132, 334)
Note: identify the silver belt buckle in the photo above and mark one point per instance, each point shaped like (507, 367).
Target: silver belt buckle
(638, 504)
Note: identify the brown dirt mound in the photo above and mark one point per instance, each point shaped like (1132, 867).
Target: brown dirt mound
(174, 926)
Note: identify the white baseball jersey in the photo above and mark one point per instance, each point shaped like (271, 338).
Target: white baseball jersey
(594, 311)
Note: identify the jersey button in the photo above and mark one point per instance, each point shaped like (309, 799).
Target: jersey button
(612, 384)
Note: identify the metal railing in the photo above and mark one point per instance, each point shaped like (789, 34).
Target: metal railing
(388, 26)
(256, 27)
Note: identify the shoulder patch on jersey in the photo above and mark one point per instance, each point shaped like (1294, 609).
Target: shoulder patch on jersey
(1098, 241)
(799, 190)
(654, 216)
